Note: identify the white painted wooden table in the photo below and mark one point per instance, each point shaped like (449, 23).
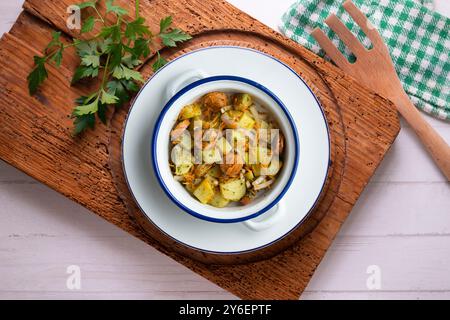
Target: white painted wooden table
(401, 224)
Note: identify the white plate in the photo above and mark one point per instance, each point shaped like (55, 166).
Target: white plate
(306, 186)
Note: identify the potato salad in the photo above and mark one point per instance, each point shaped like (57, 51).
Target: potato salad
(226, 149)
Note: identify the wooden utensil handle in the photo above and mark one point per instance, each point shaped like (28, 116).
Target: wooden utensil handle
(435, 144)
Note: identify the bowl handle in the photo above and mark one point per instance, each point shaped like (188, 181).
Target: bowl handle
(268, 219)
(183, 80)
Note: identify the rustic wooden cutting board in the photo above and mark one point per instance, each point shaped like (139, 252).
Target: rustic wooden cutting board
(35, 134)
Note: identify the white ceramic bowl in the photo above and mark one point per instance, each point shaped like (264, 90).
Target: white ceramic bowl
(269, 200)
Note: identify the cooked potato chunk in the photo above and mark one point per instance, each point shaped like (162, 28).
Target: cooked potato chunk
(264, 156)
(219, 201)
(190, 111)
(223, 145)
(260, 155)
(242, 101)
(273, 169)
(185, 141)
(235, 114)
(211, 156)
(233, 190)
(215, 100)
(246, 121)
(180, 155)
(182, 169)
(182, 160)
(205, 191)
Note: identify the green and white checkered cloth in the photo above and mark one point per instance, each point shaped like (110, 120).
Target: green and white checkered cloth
(417, 37)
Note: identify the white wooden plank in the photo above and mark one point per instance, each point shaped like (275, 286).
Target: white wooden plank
(9, 175)
(376, 295)
(28, 210)
(174, 295)
(267, 11)
(108, 265)
(408, 161)
(9, 11)
(434, 122)
(406, 264)
(108, 295)
(394, 209)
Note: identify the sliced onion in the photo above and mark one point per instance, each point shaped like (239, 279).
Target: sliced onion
(255, 113)
(225, 109)
(262, 185)
(259, 180)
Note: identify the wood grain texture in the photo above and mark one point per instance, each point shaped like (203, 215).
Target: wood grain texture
(45, 150)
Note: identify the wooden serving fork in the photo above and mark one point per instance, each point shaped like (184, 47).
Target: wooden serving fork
(374, 68)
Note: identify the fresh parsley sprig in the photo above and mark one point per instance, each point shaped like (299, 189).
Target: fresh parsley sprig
(112, 55)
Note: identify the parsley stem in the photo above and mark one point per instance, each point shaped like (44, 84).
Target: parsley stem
(137, 8)
(69, 45)
(99, 15)
(106, 72)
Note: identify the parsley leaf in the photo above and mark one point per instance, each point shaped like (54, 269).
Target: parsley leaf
(171, 38)
(108, 98)
(91, 60)
(117, 50)
(88, 25)
(110, 7)
(122, 72)
(101, 113)
(159, 63)
(116, 88)
(130, 61)
(130, 85)
(84, 72)
(113, 32)
(122, 89)
(57, 56)
(38, 75)
(55, 42)
(141, 48)
(86, 109)
(104, 45)
(83, 100)
(164, 24)
(136, 28)
(85, 48)
(81, 123)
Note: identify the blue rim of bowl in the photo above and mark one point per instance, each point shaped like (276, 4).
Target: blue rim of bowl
(307, 215)
(196, 84)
